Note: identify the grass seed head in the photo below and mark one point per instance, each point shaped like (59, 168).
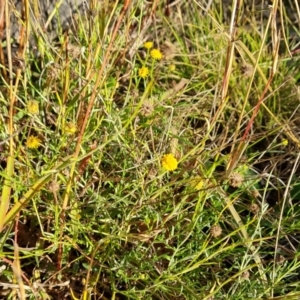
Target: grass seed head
(245, 275)
(235, 180)
(53, 71)
(247, 70)
(215, 231)
(280, 259)
(254, 208)
(18, 63)
(53, 186)
(255, 193)
(74, 50)
(147, 109)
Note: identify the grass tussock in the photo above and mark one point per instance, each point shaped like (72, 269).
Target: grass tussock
(153, 153)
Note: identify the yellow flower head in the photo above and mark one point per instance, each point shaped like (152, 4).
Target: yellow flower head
(143, 72)
(172, 68)
(148, 45)
(33, 107)
(169, 162)
(156, 54)
(70, 128)
(33, 142)
(198, 183)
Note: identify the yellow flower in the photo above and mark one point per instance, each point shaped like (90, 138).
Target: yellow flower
(172, 68)
(70, 128)
(198, 184)
(33, 107)
(156, 54)
(169, 162)
(143, 72)
(285, 142)
(33, 142)
(148, 45)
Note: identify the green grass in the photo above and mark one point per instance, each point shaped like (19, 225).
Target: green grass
(92, 214)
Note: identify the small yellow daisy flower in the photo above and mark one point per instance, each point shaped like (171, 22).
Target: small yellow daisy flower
(156, 54)
(148, 45)
(143, 72)
(70, 128)
(169, 162)
(199, 185)
(33, 142)
(172, 68)
(33, 107)
(285, 142)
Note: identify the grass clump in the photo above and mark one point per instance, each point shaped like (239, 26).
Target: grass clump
(160, 163)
